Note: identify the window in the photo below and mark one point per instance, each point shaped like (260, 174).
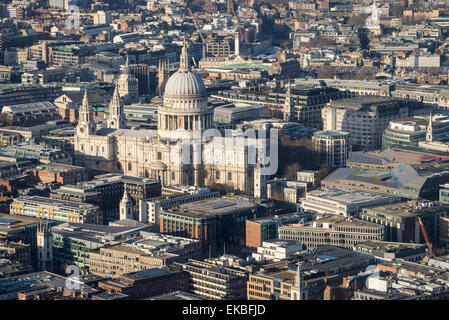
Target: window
(229, 176)
(217, 174)
(129, 166)
(159, 155)
(173, 175)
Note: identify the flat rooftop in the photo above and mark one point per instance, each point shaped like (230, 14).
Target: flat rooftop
(333, 221)
(391, 246)
(57, 167)
(38, 200)
(362, 102)
(33, 281)
(11, 224)
(402, 209)
(177, 295)
(214, 207)
(346, 196)
(275, 218)
(92, 232)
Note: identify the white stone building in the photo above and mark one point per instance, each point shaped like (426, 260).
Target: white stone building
(185, 150)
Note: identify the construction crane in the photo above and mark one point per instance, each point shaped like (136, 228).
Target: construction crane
(243, 37)
(199, 31)
(426, 238)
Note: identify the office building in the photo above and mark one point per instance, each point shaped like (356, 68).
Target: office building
(42, 285)
(410, 131)
(214, 282)
(60, 173)
(215, 222)
(286, 281)
(22, 229)
(153, 250)
(58, 210)
(306, 101)
(72, 242)
(15, 251)
(401, 220)
(147, 283)
(285, 190)
(106, 191)
(389, 251)
(25, 94)
(149, 210)
(366, 117)
(332, 231)
(278, 250)
(343, 202)
(331, 147)
(266, 228)
(236, 113)
(102, 17)
(143, 74)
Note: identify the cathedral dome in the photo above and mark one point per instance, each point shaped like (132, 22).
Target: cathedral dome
(185, 84)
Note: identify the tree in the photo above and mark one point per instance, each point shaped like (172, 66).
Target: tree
(276, 113)
(324, 171)
(327, 72)
(358, 20)
(287, 44)
(321, 40)
(291, 170)
(294, 155)
(397, 10)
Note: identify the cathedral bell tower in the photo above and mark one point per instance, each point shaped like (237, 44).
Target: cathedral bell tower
(86, 124)
(116, 118)
(126, 207)
(44, 247)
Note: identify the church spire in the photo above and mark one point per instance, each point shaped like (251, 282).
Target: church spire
(116, 117)
(184, 63)
(116, 101)
(85, 109)
(298, 287)
(85, 114)
(126, 206)
(127, 70)
(86, 124)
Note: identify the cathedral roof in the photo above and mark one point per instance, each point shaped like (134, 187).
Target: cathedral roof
(185, 82)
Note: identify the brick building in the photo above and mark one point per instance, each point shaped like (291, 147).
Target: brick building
(261, 229)
(60, 173)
